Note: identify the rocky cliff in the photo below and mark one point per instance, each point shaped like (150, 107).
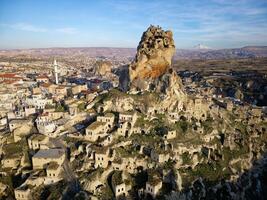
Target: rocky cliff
(154, 54)
(151, 67)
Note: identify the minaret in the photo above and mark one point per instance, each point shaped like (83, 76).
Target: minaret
(55, 71)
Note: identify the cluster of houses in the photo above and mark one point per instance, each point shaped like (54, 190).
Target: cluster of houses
(47, 128)
(34, 111)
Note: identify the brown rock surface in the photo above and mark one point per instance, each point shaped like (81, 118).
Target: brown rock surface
(103, 68)
(154, 54)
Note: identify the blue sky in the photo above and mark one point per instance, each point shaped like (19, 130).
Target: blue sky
(120, 23)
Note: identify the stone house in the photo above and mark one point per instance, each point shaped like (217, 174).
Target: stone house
(159, 155)
(10, 77)
(21, 113)
(178, 150)
(96, 130)
(48, 88)
(153, 186)
(45, 156)
(137, 129)
(118, 182)
(53, 172)
(61, 91)
(57, 115)
(16, 123)
(108, 118)
(38, 102)
(16, 114)
(124, 129)
(128, 117)
(38, 141)
(102, 158)
(73, 105)
(29, 111)
(36, 179)
(152, 111)
(36, 91)
(78, 88)
(23, 192)
(107, 140)
(42, 79)
(198, 108)
(130, 164)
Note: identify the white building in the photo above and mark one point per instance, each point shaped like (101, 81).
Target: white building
(45, 125)
(38, 101)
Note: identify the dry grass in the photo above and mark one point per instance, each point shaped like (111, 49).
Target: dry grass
(208, 66)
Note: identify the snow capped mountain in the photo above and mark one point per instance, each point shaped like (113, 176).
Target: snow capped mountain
(201, 47)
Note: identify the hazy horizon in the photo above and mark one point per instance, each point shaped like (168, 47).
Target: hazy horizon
(218, 24)
(69, 47)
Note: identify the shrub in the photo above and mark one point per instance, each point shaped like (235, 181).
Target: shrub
(186, 158)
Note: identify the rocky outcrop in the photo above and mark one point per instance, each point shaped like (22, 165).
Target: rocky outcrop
(153, 57)
(102, 68)
(175, 86)
(154, 54)
(23, 131)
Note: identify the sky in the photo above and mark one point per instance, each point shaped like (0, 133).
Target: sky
(120, 23)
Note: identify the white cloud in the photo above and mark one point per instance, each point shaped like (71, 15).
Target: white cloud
(25, 27)
(67, 30)
(37, 29)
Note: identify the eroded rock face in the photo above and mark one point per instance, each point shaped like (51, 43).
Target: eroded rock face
(103, 68)
(154, 54)
(151, 69)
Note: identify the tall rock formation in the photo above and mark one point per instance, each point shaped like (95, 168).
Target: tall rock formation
(154, 54)
(151, 68)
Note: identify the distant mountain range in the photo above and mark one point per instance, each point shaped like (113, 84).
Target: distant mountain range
(201, 52)
(244, 52)
(92, 52)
